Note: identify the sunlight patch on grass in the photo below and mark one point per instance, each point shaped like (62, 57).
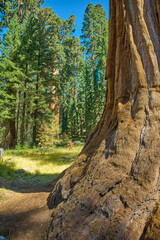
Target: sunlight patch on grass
(42, 163)
(22, 169)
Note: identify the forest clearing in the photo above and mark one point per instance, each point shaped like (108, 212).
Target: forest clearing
(26, 178)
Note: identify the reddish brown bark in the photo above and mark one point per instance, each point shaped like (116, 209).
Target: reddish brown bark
(54, 104)
(112, 190)
(10, 136)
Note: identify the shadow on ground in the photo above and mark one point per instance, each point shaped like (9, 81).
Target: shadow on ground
(24, 182)
(24, 213)
(25, 217)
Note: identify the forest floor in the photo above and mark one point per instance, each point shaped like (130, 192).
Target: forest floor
(26, 179)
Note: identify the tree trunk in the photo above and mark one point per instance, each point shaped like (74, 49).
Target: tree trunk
(54, 103)
(111, 191)
(10, 135)
(23, 130)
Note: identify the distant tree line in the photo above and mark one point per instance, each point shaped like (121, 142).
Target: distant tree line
(47, 74)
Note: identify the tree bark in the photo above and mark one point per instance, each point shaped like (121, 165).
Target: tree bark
(54, 103)
(23, 130)
(10, 135)
(112, 190)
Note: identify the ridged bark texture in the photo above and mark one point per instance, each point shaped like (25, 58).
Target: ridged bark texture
(112, 190)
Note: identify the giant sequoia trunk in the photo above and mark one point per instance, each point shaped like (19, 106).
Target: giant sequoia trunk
(112, 190)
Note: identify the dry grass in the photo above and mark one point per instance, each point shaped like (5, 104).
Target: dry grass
(41, 163)
(39, 166)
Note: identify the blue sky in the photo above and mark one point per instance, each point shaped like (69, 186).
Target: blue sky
(65, 8)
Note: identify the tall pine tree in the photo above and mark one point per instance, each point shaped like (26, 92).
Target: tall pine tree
(10, 81)
(94, 40)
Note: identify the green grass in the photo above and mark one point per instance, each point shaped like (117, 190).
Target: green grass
(43, 165)
(6, 169)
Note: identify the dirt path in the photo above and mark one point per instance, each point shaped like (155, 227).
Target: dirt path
(25, 216)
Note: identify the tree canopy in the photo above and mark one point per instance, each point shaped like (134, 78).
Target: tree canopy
(39, 52)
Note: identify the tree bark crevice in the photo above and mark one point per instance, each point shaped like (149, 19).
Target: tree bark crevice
(116, 176)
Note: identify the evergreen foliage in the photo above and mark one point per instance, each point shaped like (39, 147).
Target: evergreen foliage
(47, 135)
(39, 53)
(95, 43)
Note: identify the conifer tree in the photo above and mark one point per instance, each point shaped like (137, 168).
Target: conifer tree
(40, 53)
(10, 81)
(40, 43)
(94, 40)
(31, 49)
(72, 68)
(18, 7)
